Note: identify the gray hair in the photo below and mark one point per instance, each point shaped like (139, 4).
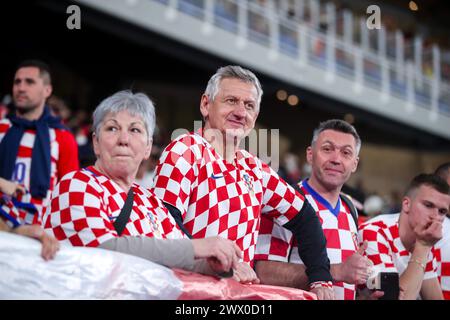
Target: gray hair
(137, 104)
(340, 126)
(232, 72)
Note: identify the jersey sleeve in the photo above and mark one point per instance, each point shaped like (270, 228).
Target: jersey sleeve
(280, 200)
(378, 248)
(77, 213)
(431, 268)
(176, 172)
(274, 241)
(68, 153)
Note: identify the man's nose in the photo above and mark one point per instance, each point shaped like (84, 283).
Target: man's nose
(240, 109)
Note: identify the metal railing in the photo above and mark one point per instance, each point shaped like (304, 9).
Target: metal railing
(311, 42)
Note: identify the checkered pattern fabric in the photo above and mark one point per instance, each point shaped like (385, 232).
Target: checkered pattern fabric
(277, 243)
(443, 259)
(386, 250)
(220, 198)
(64, 158)
(86, 203)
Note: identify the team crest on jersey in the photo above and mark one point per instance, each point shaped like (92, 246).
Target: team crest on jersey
(155, 225)
(249, 183)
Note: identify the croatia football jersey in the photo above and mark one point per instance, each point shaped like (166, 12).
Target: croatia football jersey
(386, 250)
(443, 258)
(26, 209)
(278, 244)
(216, 197)
(86, 203)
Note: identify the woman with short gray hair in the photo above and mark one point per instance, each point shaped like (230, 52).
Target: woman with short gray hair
(102, 206)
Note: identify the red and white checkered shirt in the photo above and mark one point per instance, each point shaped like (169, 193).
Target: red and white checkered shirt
(443, 259)
(386, 250)
(277, 243)
(220, 198)
(86, 203)
(64, 159)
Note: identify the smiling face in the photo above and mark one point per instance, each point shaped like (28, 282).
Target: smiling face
(333, 159)
(234, 109)
(121, 145)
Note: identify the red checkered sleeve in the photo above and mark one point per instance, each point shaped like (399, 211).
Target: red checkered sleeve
(176, 171)
(378, 247)
(280, 200)
(274, 241)
(77, 214)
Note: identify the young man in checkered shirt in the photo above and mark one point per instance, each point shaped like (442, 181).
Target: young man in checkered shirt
(214, 188)
(443, 246)
(333, 156)
(404, 242)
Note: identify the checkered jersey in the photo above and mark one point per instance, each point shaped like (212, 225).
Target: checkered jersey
(64, 159)
(86, 203)
(443, 259)
(220, 198)
(277, 243)
(386, 250)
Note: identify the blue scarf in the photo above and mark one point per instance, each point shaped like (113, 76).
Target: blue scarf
(40, 158)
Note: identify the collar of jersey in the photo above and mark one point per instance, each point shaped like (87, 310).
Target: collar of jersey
(320, 199)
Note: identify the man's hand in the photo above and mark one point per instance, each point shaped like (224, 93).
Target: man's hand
(10, 188)
(324, 293)
(222, 254)
(49, 244)
(245, 274)
(356, 269)
(429, 232)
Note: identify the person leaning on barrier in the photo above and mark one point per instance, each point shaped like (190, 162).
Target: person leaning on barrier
(333, 156)
(213, 188)
(86, 204)
(49, 244)
(404, 242)
(443, 246)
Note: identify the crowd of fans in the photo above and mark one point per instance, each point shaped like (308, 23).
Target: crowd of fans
(201, 203)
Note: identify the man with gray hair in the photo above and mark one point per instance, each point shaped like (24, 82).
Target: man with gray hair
(333, 156)
(212, 187)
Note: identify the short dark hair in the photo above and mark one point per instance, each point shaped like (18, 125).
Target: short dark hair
(44, 69)
(443, 170)
(431, 180)
(340, 126)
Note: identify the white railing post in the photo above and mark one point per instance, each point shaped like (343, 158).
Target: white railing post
(418, 61)
(359, 72)
(348, 27)
(436, 82)
(242, 22)
(314, 13)
(331, 39)
(302, 44)
(209, 16)
(273, 29)
(399, 56)
(410, 90)
(384, 64)
(364, 34)
(171, 11)
(299, 10)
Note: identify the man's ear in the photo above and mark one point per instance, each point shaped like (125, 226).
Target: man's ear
(48, 89)
(406, 204)
(309, 154)
(355, 164)
(204, 106)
